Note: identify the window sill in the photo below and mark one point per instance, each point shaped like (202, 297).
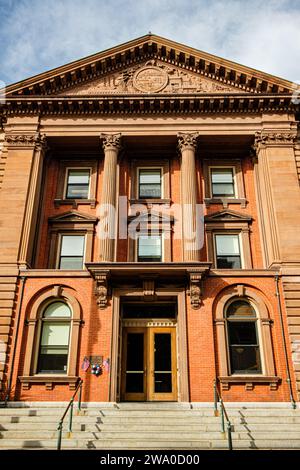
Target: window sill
(150, 201)
(75, 202)
(249, 381)
(49, 380)
(225, 201)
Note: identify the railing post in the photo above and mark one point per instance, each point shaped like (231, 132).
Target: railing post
(60, 427)
(79, 397)
(229, 435)
(216, 413)
(222, 417)
(71, 406)
(71, 415)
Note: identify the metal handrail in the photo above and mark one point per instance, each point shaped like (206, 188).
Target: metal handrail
(218, 399)
(70, 407)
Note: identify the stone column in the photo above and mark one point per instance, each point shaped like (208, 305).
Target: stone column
(187, 145)
(108, 208)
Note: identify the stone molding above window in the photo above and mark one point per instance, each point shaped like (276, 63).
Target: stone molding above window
(64, 166)
(148, 164)
(266, 350)
(71, 223)
(228, 222)
(33, 322)
(239, 198)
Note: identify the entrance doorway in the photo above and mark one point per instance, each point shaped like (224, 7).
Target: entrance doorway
(149, 364)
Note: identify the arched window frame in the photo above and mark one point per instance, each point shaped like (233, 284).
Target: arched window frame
(264, 322)
(42, 321)
(255, 320)
(57, 293)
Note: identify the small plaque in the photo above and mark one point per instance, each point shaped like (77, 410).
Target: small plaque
(96, 360)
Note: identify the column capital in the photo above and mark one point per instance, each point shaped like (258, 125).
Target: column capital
(275, 138)
(111, 141)
(187, 140)
(37, 141)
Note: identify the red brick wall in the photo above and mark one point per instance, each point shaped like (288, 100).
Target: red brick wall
(95, 339)
(49, 210)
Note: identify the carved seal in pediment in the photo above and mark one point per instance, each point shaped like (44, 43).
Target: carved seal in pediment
(150, 79)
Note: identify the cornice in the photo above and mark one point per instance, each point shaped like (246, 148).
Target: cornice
(149, 104)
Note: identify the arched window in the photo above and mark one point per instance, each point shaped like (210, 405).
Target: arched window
(243, 342)
(54, 339)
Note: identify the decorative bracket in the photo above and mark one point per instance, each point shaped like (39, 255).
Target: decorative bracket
(101, 287)
(196, 286)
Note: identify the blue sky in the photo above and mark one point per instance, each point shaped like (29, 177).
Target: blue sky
(37, 35)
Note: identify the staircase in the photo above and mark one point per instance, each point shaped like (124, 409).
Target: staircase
(150, 426)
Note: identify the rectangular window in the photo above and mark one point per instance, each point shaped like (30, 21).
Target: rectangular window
(54, 347)
(150, 183)
(222, 182)
(149, 248)
(78, 182)
(71, 252)
(228, 252)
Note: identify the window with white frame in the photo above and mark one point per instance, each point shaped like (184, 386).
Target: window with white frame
(222, 182)
(71, 254)
(149, 183)
(54, 339)
(78, 183)
(149, 247)
(227, 251)
(243, 342)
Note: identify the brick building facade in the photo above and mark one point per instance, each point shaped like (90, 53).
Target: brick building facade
(200, 155)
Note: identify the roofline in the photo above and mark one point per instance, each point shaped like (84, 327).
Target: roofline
(142, 39)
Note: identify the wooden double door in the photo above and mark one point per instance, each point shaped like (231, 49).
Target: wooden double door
(149, 364)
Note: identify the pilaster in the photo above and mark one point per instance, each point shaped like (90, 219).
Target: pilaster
(277, 191)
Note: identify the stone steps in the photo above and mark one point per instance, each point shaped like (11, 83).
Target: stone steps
(146, 435)
(148, 426)
(116, 427)
(136, 444)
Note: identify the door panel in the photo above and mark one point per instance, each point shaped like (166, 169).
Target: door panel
(163, 376)
(134, 364)
(149, 368)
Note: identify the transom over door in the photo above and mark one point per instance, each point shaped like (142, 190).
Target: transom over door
(149, 366)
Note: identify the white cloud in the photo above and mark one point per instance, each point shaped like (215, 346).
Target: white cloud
(37, 36)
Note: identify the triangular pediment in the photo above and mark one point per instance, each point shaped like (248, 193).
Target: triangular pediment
(227, 216)
(73, 217)
(149, 64)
